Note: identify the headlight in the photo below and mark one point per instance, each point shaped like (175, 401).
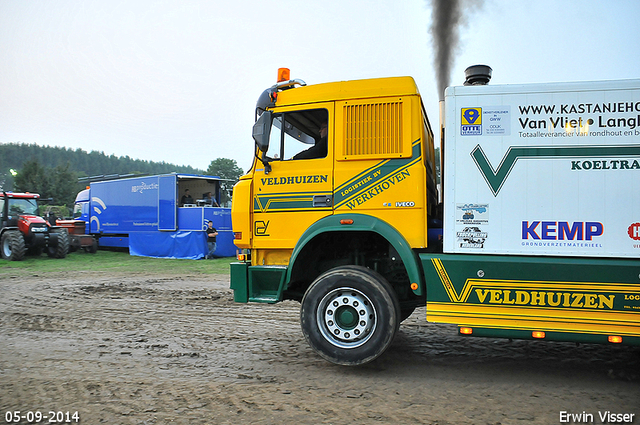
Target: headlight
(38, 229)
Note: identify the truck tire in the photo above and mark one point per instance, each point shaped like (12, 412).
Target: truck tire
(12, 246)
(62, 248)
(93, 248)
(349, 315)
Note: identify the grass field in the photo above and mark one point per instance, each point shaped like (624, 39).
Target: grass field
(116, 261)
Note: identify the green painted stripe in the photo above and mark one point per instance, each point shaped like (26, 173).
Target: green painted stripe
(361, 175)
(375, 175)
(364, 173)
(496, 178)
(286, 201)
(366, 188)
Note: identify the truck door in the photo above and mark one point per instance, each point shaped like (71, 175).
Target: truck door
(297, 191)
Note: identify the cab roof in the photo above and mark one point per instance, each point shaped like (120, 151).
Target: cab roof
(347, 90)
(21, 195)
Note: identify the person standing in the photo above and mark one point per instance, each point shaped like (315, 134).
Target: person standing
(211, 239)
(186, 198)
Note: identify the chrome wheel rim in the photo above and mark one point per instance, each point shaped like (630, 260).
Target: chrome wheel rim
(346, 317)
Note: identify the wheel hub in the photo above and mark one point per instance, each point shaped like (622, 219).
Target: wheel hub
(6, 247)
(346, 317)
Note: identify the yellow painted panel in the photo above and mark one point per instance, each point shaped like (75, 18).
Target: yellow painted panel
(241, 213)
(532, 318)
(270, 257)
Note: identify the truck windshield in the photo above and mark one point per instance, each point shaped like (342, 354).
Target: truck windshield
(77, 211)
(23, 206)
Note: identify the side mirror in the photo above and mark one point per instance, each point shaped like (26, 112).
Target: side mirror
(262, 130)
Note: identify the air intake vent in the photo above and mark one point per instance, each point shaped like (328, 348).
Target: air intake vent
(373, 130)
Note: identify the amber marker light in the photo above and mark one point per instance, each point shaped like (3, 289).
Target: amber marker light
(414, 286)
(466, 331)
(615, 339)
(284, 74)
(538, 334)
(346, 221)
(241, 257)
(237, 235)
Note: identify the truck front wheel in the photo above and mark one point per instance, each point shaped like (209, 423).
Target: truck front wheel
(12, 246)
(349, 315)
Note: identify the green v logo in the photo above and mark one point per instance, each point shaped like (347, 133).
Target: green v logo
(496, 178)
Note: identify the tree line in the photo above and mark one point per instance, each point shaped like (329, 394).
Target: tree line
(60, 173)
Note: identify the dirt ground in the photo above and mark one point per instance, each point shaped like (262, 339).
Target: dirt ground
(148, 349)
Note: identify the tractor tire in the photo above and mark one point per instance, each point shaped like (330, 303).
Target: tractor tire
(62, 248)
(12, 246)
(350, 315)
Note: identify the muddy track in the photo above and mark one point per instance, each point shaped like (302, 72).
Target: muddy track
(152, 349)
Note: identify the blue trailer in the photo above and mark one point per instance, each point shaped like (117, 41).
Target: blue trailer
(146, 215)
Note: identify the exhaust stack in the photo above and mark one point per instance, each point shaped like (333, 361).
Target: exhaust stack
(442, 127)
(477, 75)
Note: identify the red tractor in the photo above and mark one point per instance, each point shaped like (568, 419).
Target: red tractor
(22, 229)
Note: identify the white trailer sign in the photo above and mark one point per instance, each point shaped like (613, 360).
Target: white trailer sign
(543, 169)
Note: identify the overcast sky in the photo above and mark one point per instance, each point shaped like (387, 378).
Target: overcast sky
(177, 80)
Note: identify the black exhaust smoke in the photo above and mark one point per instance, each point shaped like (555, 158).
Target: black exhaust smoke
(446, 18)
